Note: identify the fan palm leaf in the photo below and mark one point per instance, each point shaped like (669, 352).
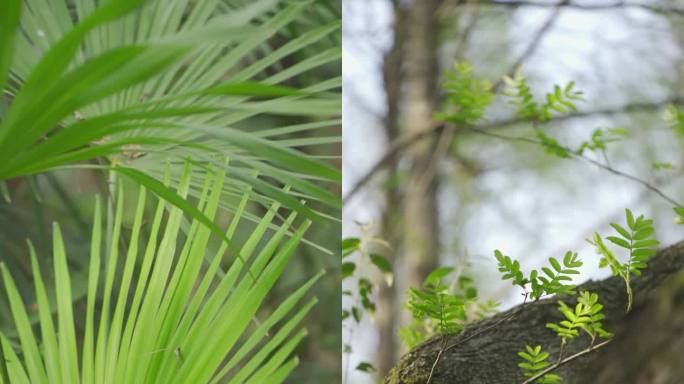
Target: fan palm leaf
(166, 319)
(141, 83)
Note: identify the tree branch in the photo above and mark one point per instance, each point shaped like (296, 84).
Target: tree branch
(487, 354)
(447, 134)
(620, 4)
(534, 44)
(407, 141)
(490, 327)
(587, 159)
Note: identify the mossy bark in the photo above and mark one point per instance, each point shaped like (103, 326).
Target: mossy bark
(648, 346)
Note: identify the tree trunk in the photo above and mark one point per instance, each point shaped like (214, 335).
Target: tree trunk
(387, 312)
(420, 206)
(646, 349)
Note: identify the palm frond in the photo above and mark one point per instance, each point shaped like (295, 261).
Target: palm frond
(146, 83)
(170, 320)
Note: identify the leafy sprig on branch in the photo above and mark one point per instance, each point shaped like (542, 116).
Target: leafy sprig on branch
(554, 280)
(443, 307)
(637, 239)
(434, 301)
(535, 360)
(561, 100)
(467, 95)
(586, 316)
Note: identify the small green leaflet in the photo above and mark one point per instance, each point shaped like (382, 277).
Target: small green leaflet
(384, 266)
(438, 274)
(350, 245)
(348, 269)
(365, 367)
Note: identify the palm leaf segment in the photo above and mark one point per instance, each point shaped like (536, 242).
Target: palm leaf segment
(168, 320)
(140, 83)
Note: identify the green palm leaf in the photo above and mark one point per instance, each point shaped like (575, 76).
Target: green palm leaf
(170, 319)
(141, 84)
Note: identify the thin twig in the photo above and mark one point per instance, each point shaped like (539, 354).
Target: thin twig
(610, 218)
(442, 148)
(534, 44)
(467, 33)
(565, 361)
(409, 140)
(560, 352)
(630, 177)
(395, 147)
(584, 7)
(589, 160)
(439, 355)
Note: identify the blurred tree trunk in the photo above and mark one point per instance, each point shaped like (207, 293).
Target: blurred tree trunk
(387, 305)
(646, 348)
(676, 28)
(420, 202)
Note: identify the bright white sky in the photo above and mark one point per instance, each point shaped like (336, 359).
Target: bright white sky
(614, 56)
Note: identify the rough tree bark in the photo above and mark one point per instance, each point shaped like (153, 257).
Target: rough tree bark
(646, 349)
